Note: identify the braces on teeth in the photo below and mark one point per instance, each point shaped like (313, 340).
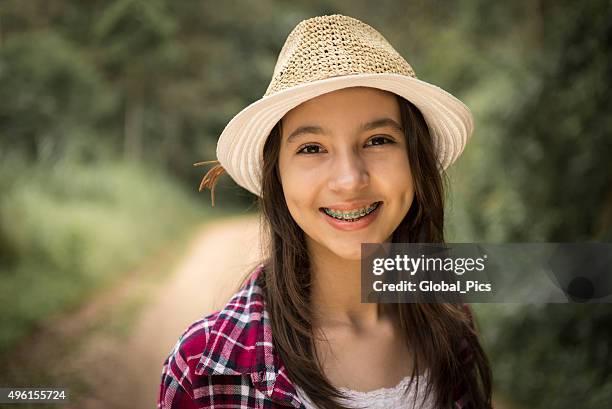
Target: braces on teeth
(351, 216)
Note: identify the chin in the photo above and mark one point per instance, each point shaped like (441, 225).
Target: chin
(353, 255)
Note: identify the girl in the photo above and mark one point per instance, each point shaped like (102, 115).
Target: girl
(346, 147)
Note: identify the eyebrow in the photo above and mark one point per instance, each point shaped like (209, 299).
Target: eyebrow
(368, 126)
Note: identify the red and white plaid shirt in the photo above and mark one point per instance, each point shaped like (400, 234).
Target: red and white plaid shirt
(227, 360)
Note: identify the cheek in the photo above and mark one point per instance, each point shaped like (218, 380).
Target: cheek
(397, 184)
(297, 192)
(396, 171)
(300, 179)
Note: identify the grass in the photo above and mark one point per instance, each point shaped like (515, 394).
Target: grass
(69, 230)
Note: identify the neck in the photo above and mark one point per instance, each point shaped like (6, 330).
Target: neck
(336, 292)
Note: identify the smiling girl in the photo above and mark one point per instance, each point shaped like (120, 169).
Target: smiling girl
(346, 147)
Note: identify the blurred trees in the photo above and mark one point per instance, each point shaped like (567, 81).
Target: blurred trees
(545, 134)
(51, 96)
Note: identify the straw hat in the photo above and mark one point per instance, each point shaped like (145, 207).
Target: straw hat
(324, 54)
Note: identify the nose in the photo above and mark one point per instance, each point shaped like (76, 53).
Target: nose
(349, 173)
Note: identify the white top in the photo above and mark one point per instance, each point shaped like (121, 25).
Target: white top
(383, 398)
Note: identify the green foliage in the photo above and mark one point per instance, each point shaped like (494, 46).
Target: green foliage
(48, 95)
(70, 228)
(548, 356)
(542, 135)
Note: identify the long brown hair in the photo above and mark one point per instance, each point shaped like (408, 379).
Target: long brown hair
(442, 337)
(435, 331)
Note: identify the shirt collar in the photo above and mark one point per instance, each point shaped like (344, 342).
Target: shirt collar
(239, 342)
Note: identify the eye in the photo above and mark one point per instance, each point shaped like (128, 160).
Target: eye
(379, 140)
(309, 149)
(312, 149)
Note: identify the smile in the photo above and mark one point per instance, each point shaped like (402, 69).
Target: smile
(352, 215)
(353, 219)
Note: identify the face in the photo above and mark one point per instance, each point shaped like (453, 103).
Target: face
(343, 156)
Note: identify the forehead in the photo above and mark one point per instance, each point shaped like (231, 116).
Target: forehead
(344, 107)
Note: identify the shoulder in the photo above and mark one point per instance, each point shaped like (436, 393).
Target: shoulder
(190, 346)
(178, 380)
(216, 344)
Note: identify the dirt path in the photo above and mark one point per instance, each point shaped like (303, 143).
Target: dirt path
(123, 371)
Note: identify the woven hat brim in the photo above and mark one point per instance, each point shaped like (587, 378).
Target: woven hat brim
(240, 146)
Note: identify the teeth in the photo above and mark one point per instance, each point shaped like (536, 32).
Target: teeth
(352, 214)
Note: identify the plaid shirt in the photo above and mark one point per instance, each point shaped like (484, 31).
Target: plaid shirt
(227, 360)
